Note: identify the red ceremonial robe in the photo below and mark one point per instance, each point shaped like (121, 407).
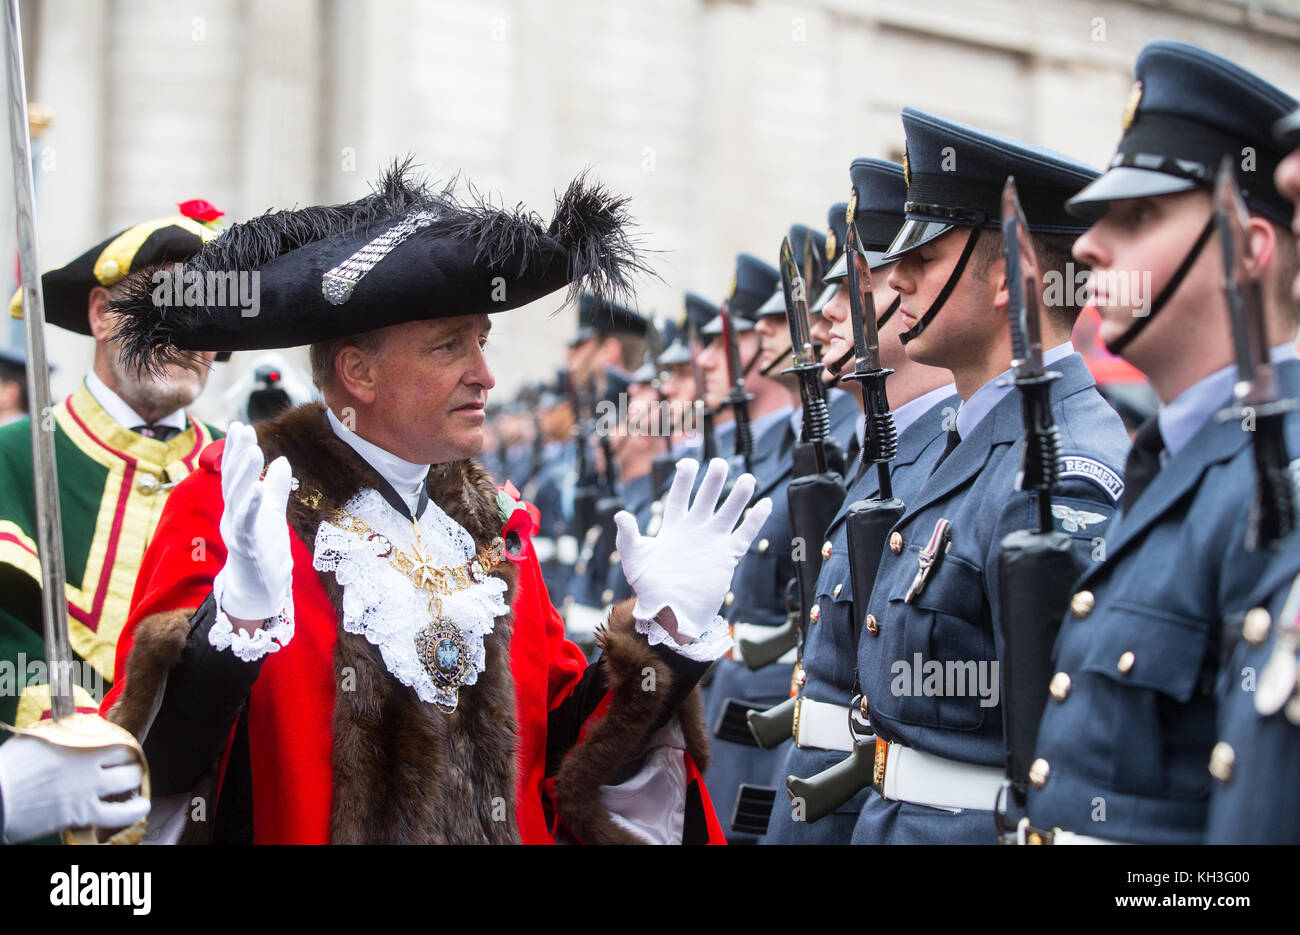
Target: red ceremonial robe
(291, 711)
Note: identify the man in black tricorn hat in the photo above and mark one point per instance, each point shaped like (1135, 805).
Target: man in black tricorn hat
(387, 666)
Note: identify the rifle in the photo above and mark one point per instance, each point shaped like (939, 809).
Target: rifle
(1273, 509)
(587, 490)
(866, 522)
(737, 399)
(1035, 567)
(814, 495)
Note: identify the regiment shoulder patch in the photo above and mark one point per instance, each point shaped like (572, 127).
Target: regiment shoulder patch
(1093, 470)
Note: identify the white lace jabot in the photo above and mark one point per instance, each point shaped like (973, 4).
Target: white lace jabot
(385, 606)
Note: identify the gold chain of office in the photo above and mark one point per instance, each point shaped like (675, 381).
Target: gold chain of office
(437, 580)
(420, 569)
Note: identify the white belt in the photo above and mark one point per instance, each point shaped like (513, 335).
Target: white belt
(1069, 837)
(909, 775)
(821, 726)
(756, 633)
(543, 548)
(1026, 835)
(566, 550)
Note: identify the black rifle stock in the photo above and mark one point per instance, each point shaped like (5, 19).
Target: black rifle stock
(772, 727)
(822, 794)
(1035, 573)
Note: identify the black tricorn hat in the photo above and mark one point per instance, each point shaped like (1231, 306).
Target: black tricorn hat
(405, 252)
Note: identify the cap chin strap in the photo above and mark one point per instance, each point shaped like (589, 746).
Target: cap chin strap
(948, 286)
(889, 312)
(1118, 345)
(766, 371)
(749, 365)
(836, 366)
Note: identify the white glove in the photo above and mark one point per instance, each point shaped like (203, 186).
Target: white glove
(688, 565)
(258, 573)
(45, 788)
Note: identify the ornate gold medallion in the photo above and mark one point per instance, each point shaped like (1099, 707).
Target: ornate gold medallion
(445, 657)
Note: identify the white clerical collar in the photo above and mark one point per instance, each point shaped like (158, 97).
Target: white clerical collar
(1196, 405)
(406, 478)
(121, 413)
(982, 401)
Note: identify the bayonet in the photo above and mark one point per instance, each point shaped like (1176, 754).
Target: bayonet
(1039, 463)
(880, 443)
(704, 415)
(807, 369)
(737, 399)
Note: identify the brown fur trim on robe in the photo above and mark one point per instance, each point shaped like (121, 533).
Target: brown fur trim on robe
(159, 641)
(620, 735)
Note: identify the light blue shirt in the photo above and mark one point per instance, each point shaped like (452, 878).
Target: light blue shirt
(912, 410)
(982, 401)
(1196, 405)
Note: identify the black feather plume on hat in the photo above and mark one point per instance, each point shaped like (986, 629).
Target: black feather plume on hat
(442, 269)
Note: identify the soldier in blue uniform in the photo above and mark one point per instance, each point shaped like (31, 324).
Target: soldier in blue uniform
(1254, 797)
(609, 340)
(1127, 732)
(929, 650)
(758, 587)
(774, 349)
(919, 396)
(678, 379)
(634, 452)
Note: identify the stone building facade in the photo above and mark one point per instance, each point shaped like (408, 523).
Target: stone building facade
(725, 120)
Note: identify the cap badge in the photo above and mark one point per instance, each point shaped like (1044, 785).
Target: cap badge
(830, 245)
(1131, 108)
(907, 170)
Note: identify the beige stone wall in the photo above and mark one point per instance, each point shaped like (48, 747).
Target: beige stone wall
(726, 120)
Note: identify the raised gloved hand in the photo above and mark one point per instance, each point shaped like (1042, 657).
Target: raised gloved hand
(45, 788)
(688, 565)
(258, 573)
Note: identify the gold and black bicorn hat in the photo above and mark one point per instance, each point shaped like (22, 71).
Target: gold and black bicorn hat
(405, 252)
(156, 242)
